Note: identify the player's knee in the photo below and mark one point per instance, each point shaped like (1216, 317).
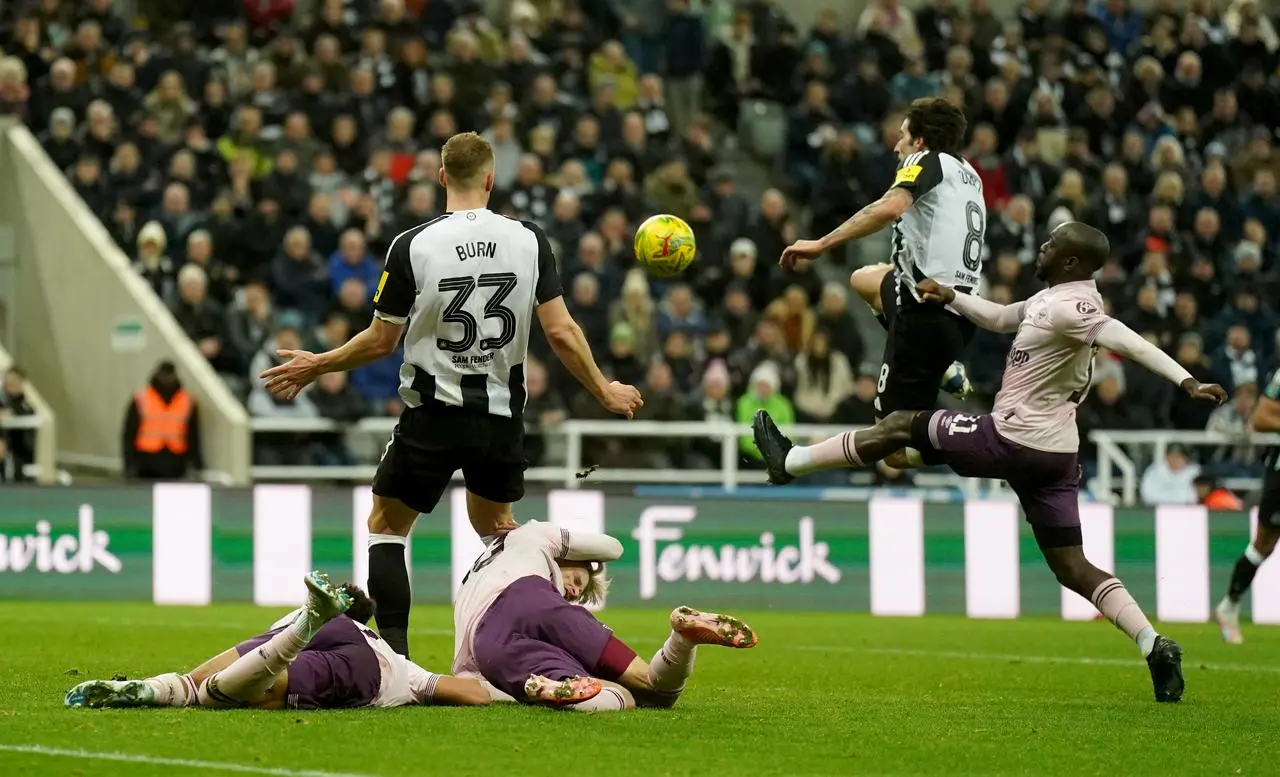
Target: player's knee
(865, 281)
(897, 426)
(489, 517)
(390, 516)
(896, 460)
(1070, 566)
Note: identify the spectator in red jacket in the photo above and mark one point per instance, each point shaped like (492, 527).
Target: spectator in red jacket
(266, 16)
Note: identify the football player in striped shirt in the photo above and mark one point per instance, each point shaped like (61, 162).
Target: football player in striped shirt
(463, 291)
(938, 218)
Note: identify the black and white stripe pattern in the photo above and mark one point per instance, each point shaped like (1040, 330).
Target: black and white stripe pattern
(898, 256)
(478, 278)
(941, 235)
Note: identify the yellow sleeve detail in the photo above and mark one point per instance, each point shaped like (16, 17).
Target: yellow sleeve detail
(908, 174)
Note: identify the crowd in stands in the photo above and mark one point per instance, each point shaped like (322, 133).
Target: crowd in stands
(1158, 127)
(255, 160)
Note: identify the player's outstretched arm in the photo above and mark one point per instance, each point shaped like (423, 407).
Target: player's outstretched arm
(392, 303)
(303, 367)
(871, 219)
(1118, 338)
(571, 348)
(989, 315)
(590, 546)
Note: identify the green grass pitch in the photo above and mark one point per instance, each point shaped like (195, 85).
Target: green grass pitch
(821, 695)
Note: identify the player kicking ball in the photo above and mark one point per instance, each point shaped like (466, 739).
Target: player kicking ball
(1029, 439)
(518, 624)
(320, 656)
(937, 215)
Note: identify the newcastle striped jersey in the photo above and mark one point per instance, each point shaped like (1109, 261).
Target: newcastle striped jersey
(466, 284)
(940, 236)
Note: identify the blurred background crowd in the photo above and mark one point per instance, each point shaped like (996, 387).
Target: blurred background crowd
(254, 160)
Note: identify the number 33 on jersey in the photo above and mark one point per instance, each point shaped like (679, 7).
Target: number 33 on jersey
(466, 285)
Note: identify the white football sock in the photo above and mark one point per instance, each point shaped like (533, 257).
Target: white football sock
(608, 700)
(832, 453)
(1115, 602)
(253, 674)
(671, 666)
(173, 689)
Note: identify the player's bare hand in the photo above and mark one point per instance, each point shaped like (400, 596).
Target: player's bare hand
(801, 250)
(932, 291)
(1210, 391)
(621, 399)
(287, 380)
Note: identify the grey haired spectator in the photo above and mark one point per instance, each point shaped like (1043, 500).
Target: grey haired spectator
(202, 318)
(59, 140)
(153, 264)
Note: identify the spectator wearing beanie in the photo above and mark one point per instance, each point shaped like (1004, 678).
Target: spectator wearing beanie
(763, 393)
(621, 362)
(712, 403)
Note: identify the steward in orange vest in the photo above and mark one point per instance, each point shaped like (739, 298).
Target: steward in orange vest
(162, 430)
(1215, 497)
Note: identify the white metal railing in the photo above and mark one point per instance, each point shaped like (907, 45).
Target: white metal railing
(1111, 455)
(43, 468)
(728, 475)
(43, 423)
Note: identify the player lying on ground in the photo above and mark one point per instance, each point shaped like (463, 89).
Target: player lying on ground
(517, 624)
(1265, 418)
(463, 290)
(1029, 439)
(320, 656)
(938, 218)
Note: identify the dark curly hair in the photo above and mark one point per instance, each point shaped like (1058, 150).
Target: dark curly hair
(938, 123)
(362, 608)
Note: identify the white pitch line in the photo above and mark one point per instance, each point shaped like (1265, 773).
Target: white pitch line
(182, 763)
(1014, 658)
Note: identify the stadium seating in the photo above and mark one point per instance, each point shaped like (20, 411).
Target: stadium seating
(253, 163)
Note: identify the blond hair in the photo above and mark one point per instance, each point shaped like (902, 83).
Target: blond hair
(597, 587)
(466, 158)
